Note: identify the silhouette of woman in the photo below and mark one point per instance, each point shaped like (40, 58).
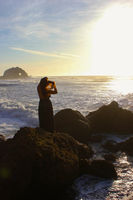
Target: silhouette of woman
(45, 110)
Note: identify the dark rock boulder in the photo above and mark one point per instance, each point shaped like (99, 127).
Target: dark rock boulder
(110, 145)
(73, 123)
(96, 138)
(2, 145)
(2, 138)
(14, 73)
(103, 168)
(110, 157)
(100, 168)
(36, 162)
(126, 146)
(111, 118)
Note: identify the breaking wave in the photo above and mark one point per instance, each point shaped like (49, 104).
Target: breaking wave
(15, 115)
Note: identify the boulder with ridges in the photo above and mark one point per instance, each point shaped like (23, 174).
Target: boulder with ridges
(73, 123)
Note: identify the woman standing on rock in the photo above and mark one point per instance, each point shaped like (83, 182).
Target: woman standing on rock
(45, 88)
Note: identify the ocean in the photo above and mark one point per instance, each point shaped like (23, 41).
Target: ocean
(19, 108)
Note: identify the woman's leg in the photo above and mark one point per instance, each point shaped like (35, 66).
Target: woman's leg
(41, 115)
(50, 117)
(46, 119)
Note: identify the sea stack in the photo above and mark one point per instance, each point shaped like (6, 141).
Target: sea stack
(14, 73)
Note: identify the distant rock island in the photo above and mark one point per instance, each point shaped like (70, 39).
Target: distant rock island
(14, 73)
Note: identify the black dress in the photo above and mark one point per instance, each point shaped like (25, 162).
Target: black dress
(46, 120)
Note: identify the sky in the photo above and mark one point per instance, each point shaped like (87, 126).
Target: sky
(67, 37)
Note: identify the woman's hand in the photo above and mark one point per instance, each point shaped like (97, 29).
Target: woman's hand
(54, 85)
(52, 89)
(55, 89)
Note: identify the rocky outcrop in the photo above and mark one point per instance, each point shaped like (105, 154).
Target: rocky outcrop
(126, 146)
(110, 157)
(107, 119)
(103, 168)
(14, 73)
(2, 138)
(100, 168)
(110, 119)
(73, 123)
(96, 138)
(110, 145)
(36, 162)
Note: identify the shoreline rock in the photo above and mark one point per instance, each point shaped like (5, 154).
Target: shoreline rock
(111, 119)
(126, 146)
(35, 162)
(73, 123)
(103, 169)
(37, 159)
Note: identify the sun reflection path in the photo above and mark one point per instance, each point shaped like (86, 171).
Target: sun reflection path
(121, 85)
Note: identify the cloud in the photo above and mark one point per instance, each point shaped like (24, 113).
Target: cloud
(51, 22)
(57, 55)
(44, 19)
(28, 20)
(70, 55)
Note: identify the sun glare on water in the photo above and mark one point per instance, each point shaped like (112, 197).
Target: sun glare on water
(122, 85)
(112, 42)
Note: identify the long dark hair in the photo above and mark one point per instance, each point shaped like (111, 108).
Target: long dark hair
(43, 84)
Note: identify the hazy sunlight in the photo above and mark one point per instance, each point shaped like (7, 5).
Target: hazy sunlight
(112, 42)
